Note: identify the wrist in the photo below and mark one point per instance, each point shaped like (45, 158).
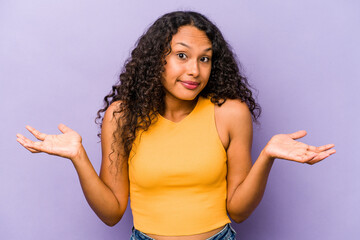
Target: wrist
(266, 155)
(80, 153)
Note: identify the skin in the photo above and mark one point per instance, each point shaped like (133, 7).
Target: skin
(190, 60)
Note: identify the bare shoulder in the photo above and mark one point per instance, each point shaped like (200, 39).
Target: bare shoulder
(110, 124)
(232, 118)
(234, 108)
(233, 113)
(109, 113)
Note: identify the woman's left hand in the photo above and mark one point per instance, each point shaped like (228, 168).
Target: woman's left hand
(284, 146)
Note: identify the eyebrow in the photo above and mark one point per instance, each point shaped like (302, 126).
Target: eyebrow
(185, 45)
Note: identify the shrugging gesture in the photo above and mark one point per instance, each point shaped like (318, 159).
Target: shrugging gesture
(67, 144)
(247, 182)
(108, 201)
(284, 146)
(181, 59)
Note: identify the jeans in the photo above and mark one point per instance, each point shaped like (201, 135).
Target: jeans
(227, 233)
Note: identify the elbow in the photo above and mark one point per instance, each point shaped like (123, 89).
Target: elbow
(111, 222)
(112, 217)
(239, 217)
(239, 213)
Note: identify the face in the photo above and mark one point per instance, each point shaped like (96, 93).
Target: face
(188, 66)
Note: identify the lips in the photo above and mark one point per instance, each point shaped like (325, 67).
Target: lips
(189, 84)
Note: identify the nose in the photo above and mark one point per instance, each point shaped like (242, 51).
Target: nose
(193, 68)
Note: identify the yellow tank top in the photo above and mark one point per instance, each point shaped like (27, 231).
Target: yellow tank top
(177, 175)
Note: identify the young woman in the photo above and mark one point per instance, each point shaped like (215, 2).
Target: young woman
(176, 135)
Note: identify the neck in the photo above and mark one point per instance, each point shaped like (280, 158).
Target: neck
(176, 109)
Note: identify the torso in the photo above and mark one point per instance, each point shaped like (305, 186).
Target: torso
(222, 129)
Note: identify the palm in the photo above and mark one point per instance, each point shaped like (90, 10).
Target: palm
(284, 146)
(65, 145)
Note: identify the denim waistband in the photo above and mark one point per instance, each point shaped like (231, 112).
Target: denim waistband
(227, 233)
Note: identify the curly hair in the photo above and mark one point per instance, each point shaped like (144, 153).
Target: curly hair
(140, 92)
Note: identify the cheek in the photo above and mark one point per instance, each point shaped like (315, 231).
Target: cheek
(206, 73)
(172, 70)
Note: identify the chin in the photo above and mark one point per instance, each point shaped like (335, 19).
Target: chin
(182, 97)
(189, 97)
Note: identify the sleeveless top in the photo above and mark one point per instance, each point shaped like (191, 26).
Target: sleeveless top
(177, 174)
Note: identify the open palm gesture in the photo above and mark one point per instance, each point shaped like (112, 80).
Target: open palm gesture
(285, 146)
(67, 144)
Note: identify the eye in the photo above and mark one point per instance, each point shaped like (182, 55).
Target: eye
(205, 59)
(182, 56)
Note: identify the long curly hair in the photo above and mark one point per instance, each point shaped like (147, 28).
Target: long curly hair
(140, 92)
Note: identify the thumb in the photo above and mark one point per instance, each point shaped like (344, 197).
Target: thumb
(298, 134)
(64, 129)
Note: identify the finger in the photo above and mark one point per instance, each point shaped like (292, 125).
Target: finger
(298, 134)
(23, 140)
(321, 156)
(20, 136)
(37, 146)
(64, 129)
(30, 145)
(32, 150)
(321, 148)
(24, 144)
(36, 133)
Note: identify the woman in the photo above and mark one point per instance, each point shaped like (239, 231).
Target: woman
(176, 136)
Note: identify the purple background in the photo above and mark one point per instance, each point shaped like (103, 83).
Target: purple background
(58, 59)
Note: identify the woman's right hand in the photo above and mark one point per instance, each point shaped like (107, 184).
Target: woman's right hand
(67, 145)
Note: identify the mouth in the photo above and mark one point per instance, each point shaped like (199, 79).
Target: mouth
(190, 84)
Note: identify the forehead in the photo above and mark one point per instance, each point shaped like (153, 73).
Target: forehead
(191, 35)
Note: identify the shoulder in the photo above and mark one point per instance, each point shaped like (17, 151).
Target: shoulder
(234, 107)
(233, 112)
(110, 113)
(233, 121)
(110, 122)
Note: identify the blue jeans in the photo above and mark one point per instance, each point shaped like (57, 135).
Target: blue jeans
(227, 233)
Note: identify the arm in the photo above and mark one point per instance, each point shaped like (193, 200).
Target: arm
(107, 195)
(246, 183)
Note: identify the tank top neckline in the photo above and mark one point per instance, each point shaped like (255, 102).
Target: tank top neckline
(185, 118)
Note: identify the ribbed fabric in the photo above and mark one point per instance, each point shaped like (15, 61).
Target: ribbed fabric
(177, 175)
